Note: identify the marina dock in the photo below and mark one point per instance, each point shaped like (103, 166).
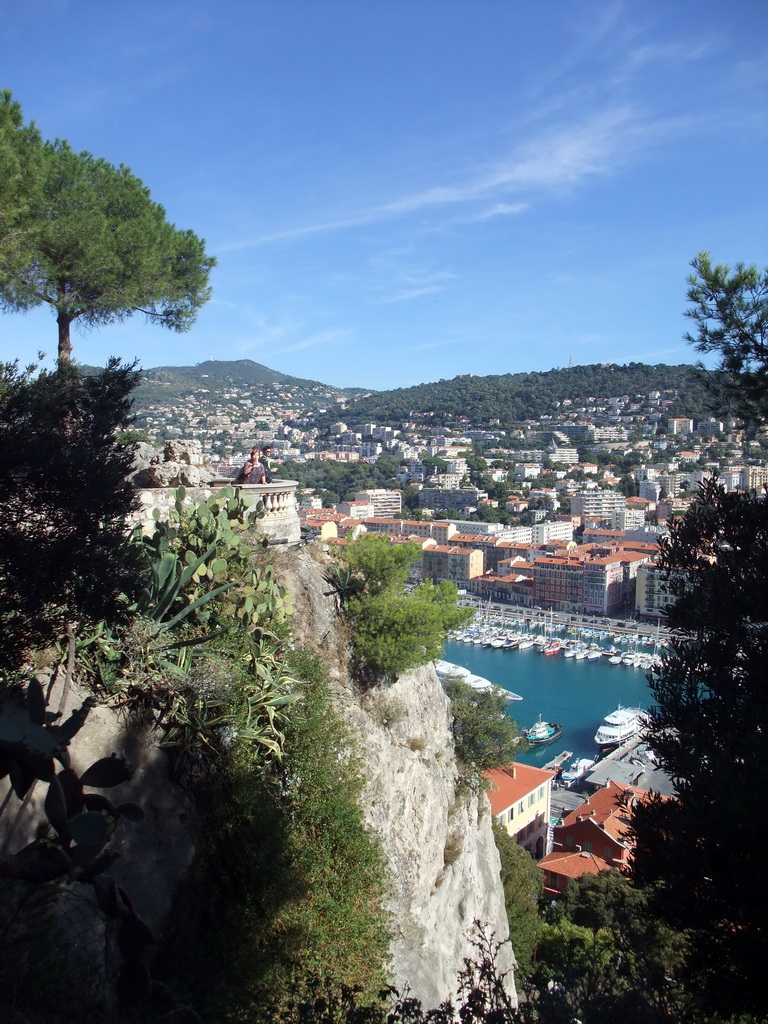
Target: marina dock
(559, 761)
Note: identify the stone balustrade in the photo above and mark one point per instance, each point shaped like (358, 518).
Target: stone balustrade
(280, 521)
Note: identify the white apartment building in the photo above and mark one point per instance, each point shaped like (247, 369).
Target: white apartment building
(446, 498)
(755, 478)
(449, 480)
(528, 470)
(598, 504)
(649, 489)
(384, 502)
(568, 456)
(652, 597)
(610, 433)
(543, 533)
(356, 509)
(628, 519)
(680, 425)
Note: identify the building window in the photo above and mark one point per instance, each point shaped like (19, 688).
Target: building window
(588, 846)
(531, 799)
(608, 853)
(520, 807)
(569, 840)
(541, 792)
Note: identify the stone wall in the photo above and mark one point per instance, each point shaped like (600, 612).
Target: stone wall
(281, 518)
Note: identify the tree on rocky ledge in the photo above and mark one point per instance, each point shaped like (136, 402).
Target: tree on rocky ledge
(90, 242)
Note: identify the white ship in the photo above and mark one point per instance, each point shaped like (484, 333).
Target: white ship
(618, 727)
(446, 670)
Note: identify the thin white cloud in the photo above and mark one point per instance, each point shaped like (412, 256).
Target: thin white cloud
(562, 157)
(498, 210)
(332, 338)
(641, 356)
(410, 293)
(412, 283)
(431, 344)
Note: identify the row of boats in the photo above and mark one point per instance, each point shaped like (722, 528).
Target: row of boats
(577, 649)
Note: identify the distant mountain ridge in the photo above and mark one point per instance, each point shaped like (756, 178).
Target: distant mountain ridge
(507, 398)
(166, 385)
(513, 397)
(226, 372)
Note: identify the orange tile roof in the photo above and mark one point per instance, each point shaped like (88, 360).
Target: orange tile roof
(604, 810)
(574, 864)
(513, 783)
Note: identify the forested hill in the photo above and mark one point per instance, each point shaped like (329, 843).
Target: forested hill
(512, 397)
(166, 385)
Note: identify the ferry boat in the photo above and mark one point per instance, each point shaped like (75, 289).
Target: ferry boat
(542, 732)
(618, 727)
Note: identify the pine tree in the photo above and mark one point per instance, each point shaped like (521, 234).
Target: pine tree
(705, 849)
(89, 241)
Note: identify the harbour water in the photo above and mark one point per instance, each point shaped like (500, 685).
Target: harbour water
(575, 694)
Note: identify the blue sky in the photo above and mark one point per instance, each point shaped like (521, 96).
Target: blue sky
(400, 191)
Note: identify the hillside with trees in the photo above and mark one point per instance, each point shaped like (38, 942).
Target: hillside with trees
(166, 385)
(512, 397)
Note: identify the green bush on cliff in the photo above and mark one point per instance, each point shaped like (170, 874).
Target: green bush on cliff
(288, 884)
(522, 880)
(392, 630)
(484, 735)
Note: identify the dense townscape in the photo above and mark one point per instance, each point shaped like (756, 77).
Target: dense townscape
(563, 511)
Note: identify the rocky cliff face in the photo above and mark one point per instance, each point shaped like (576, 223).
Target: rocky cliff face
(435, 833)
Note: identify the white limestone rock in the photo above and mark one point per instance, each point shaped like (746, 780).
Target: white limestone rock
(436, 836)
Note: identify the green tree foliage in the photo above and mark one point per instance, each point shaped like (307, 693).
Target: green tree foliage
(709, 726)
(730, 310)
(94, 247)
(485, 736)
(522, 881)
(511, 398)
(393, 631)
(379, 565)
(20, 159)
(604, 958)
(340, 480)
(64, 555)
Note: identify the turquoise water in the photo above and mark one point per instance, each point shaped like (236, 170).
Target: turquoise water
(575, 694)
